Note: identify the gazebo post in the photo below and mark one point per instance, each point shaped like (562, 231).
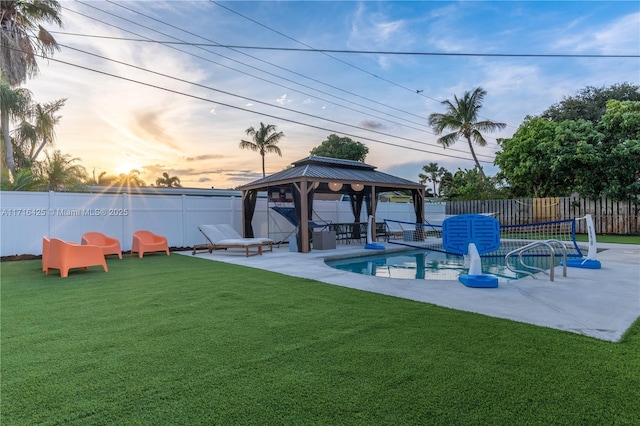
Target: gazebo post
(304, 215)
(374, 202)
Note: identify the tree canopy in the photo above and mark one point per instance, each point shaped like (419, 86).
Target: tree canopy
(345, 148)
(590, 103)
(548, 159)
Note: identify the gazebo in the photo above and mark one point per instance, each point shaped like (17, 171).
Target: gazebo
(315, 175)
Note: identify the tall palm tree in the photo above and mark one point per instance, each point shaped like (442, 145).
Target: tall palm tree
(13, 102)
(168, 181)
(22, 38)
(461, 119)
(265, 140)
(432, 173)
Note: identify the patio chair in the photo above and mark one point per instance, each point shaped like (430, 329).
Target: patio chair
(107, 244)
(229, 232)
(45, 253)
(146, 241)
(218, 241)
(64, 256)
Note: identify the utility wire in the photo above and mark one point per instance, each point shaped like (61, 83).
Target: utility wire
(326, 52)
(259, 102)
(369, 52)
(165, 89)
(277, 66)
(149, 40)
(329, 120)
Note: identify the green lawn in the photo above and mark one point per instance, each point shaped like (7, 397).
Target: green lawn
(182, 340)
(615, 239)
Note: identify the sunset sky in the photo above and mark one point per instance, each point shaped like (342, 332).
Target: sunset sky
(171, 86)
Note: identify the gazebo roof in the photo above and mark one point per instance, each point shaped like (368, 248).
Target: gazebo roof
(325, 169)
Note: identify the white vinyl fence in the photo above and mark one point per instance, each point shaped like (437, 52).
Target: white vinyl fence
(26, 217)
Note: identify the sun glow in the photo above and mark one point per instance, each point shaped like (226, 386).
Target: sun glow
(126, 167)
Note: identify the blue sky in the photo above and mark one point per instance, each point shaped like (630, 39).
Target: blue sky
(185, 108)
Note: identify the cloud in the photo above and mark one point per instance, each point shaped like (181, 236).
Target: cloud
(373, 125)
(618, 37)
(148, 122)
(375, 29)
(204, 157)
(283, 100)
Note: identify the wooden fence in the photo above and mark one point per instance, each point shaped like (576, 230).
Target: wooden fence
(609, 217)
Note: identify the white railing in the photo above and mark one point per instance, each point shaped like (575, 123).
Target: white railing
(25, 217)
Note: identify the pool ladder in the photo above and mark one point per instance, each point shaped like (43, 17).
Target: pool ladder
(552, 255)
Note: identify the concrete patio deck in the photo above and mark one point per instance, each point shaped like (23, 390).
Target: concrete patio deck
(600, 303)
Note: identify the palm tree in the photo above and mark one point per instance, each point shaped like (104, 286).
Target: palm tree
(132, 179)
(13, 103)
(265, 140)
(45, 121)
(36, 130)
(169, 182)
(461, 119)
(432, 173)
(103, 179)
(22, 38)
(23, 180)
(62, 174)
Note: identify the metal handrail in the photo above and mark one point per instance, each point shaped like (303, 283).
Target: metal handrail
(552, 254)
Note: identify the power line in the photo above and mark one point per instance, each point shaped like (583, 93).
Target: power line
(165, 89)
(244, 97)
(259, 102)
(326, 52)
(263, 61)
(149, 40)
(364, 52)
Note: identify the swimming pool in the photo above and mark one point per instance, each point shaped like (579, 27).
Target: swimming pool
(426, 265)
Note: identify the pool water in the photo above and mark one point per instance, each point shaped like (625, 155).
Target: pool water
(428, 265)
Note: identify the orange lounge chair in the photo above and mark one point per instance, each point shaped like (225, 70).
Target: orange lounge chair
(45, 253)
(107, 244)
(64, 256)
(145, 241)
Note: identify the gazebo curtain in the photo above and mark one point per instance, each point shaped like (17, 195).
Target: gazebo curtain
(356, 208)
(297, 205)
(418, 205)
(249, 206)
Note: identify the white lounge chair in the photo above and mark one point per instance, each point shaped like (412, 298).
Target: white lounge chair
(218, 241)
(230, 232)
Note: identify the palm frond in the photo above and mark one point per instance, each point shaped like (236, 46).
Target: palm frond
(448, 140)
(249, 145)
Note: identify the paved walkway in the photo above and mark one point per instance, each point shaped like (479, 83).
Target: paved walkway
(600, 303)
